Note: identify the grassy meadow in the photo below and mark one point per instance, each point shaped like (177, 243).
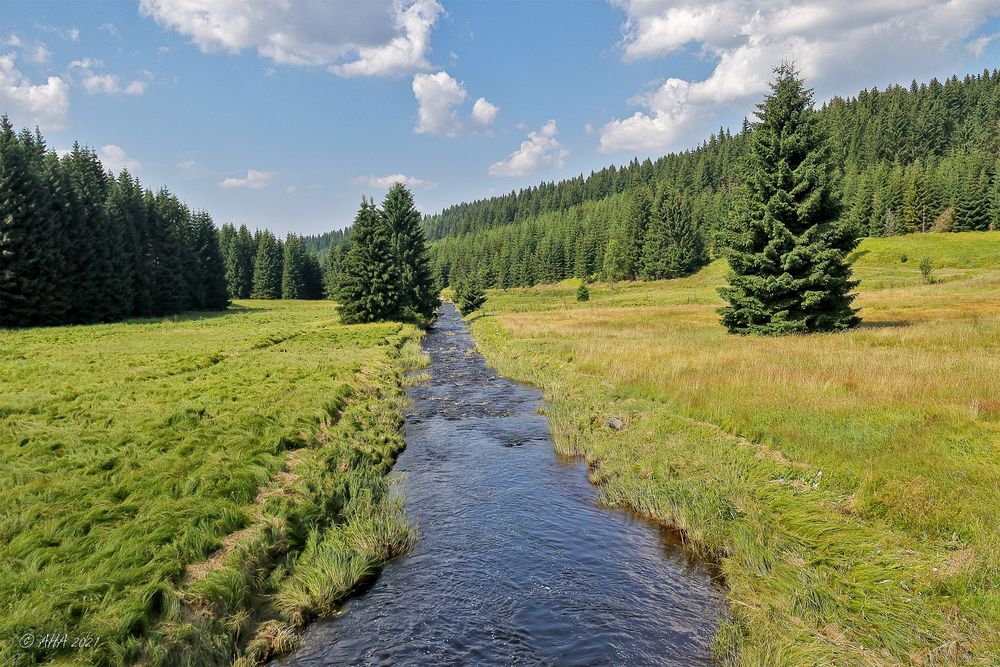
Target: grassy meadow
(848, 484)
(192, 490)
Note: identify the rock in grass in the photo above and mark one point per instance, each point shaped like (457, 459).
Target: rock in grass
(614, 423)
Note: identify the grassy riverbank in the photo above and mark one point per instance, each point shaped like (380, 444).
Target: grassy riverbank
(193, 490)
(848, 483)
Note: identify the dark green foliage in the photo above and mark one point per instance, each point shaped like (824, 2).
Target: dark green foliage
(788, 250)
(267, 268)
(210, 291)
(418, 288)
(582, 293)
(673, 246)
(293, 273)
(469, 295)
(79, 245)
(369, 284)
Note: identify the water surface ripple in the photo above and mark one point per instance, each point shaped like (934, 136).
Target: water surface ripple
(516, 564)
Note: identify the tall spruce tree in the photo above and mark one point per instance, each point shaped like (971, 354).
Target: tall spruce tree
(24, 224)
(788, 249)
(418, 288)
(267, 268)
(212, 293)
(674, 246)
(294, 268)
(369, 284)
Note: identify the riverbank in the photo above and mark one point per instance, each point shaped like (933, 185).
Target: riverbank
(193, 490)
(847, 484)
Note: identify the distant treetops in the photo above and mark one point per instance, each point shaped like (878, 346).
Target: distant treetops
(78, 245)
(385, 272)
(787, 244)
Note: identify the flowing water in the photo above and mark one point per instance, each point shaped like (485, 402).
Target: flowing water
(516, 564)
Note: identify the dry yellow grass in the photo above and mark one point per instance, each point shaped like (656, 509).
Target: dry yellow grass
(872, 537)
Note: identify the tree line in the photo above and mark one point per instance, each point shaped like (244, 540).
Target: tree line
(923, 158)
(262, 266)
(78, 245)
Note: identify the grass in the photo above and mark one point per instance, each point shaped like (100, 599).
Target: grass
(185, 489)
(848, 484)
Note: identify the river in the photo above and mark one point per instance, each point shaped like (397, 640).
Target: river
(516, 563)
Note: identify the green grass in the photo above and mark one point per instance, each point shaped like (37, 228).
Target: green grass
(849, 484)
(167, 481)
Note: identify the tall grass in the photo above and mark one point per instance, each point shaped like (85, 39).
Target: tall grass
(163, 478)
(849, 483)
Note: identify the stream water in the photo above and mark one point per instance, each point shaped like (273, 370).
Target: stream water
(516, 563)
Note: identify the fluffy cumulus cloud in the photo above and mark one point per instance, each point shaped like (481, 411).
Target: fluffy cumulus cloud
(484, 113)
(115, 159)
(254, 180)
(838, 47)
(375, 37)
(386, 182)
(438, 98)
(108, 84)
(541, 149)
(43, 104)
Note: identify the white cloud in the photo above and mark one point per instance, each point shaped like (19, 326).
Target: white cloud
(71, 34)
(669, 116)
(405, 52)
(484, 113)
(839, 48)
(254, 179)
(109, 84)
(541, 149)
(437, 96)
(376, 37)
(290, 190)
(111, 30)
(13, 40)
(386, 182)
(115, 159)
(979, 44)
(38, 53)
(45, 104)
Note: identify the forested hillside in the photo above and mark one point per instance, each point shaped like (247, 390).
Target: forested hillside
(923, 158)
(78, 245)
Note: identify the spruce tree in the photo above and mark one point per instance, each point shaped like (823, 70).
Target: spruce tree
(673, 246)
(788, 250)
(267, 268)
(294, 267)
(417, 289)
(212, 293)
(369, 283)
(971, 204)
(240, 269)
(469, 295)
(616, 261)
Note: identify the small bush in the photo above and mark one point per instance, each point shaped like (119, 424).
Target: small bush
(582, 293)
(927, 269)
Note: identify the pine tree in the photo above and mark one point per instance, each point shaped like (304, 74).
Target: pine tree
(469, 295)
(673, 245)
(239, 264)
(417, 287)
(971, 203)
(293, 276)
(267, 269)
(368, 289)
(169, 219)
(616, 262)
(788, 250)
(212, 293)
(24, 224)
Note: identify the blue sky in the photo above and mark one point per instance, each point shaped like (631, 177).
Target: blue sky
(282, 114)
